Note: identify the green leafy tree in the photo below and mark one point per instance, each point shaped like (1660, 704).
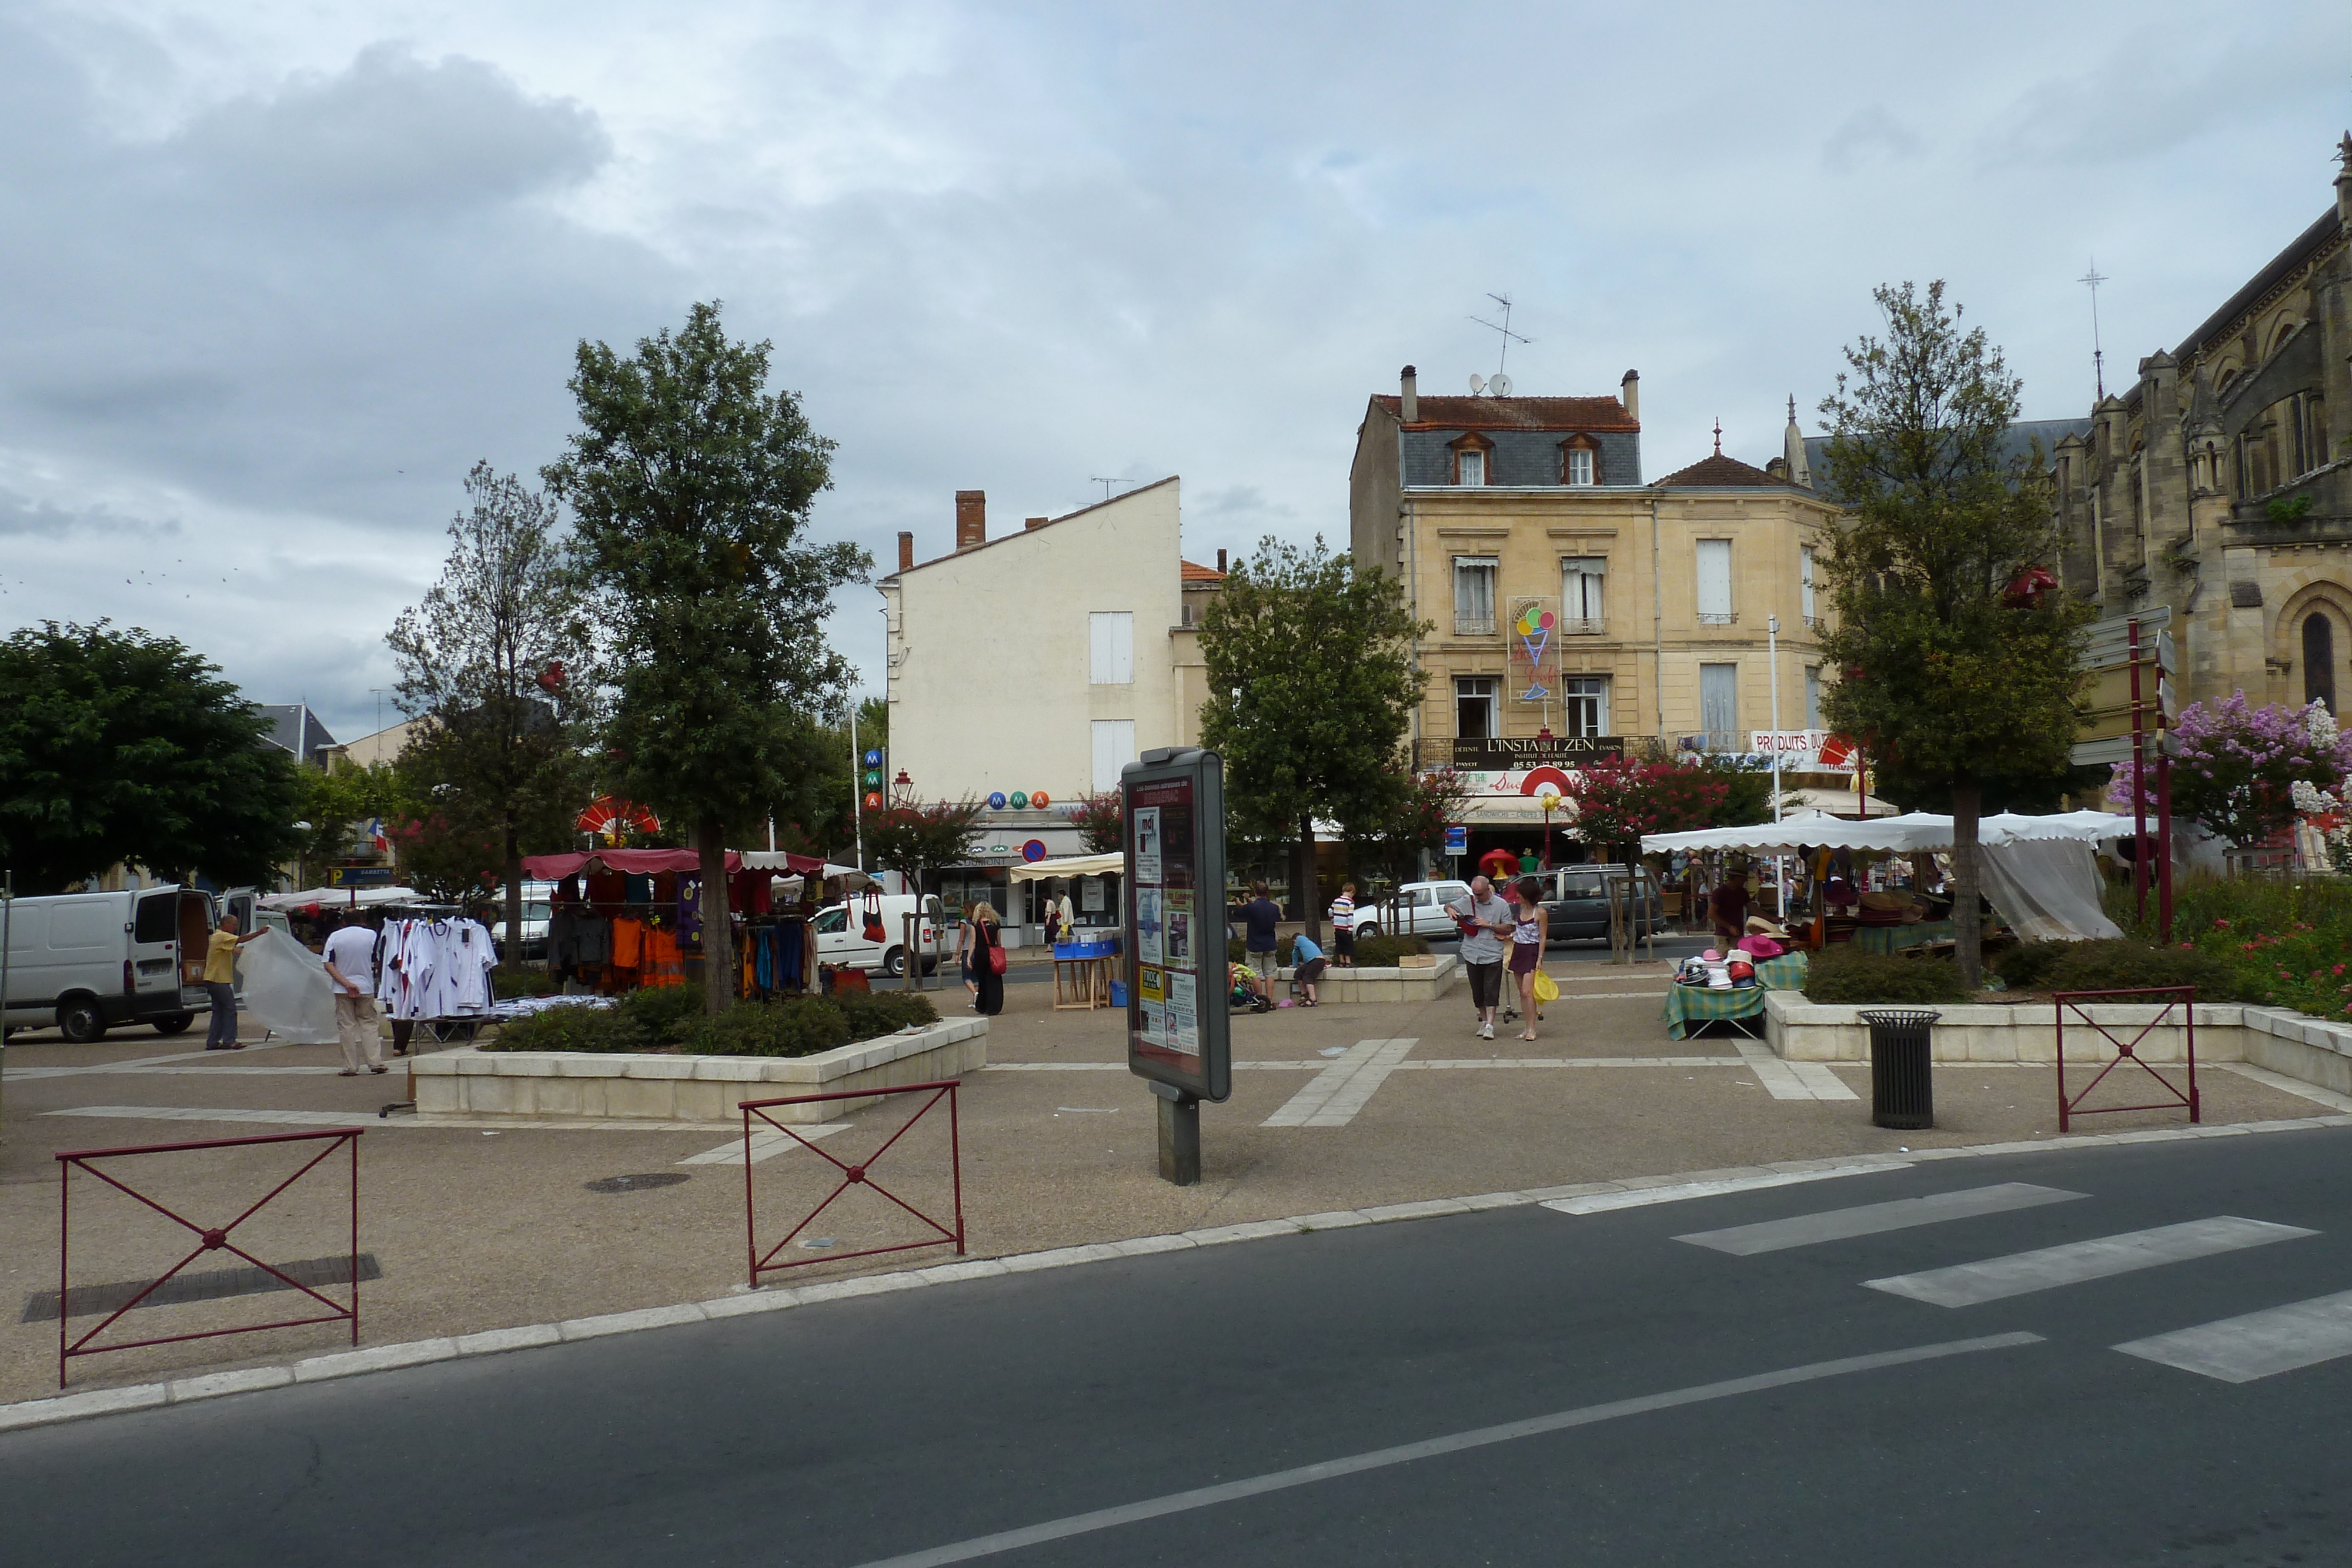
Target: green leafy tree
(486, 659)
(1746, 789)
(1415, 825)
(1312, 686)
(337, 801)
(690, 485)
(1955, 671)
(913, 839)
(125, 747)
(1101, 821)
(446, 857)
(1620, 799)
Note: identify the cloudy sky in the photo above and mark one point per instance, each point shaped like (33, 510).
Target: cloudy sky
(273, 276)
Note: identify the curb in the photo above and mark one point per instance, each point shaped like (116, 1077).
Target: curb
(1576, 1198)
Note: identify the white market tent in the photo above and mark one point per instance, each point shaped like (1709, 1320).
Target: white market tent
(341, 897)
(1069, 865)
(2038, 871)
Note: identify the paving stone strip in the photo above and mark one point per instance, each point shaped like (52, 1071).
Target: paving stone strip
(1575, 1198)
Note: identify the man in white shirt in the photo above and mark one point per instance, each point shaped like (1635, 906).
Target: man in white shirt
(351, 969)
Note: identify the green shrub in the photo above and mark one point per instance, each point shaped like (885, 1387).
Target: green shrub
(1383, 951)
(2026, 966)
(885, 1012)
(1844, 974)
(801, 1026)
(664, 1011)
(2119, 966)
(519, 980)
(572, 1028)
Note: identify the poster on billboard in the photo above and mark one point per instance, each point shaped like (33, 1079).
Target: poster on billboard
(1176, 1029)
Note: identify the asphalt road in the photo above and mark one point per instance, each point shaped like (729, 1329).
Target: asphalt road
(1954, 1415)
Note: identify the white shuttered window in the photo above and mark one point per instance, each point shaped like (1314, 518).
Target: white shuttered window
(1114, 749)
(1111, 640)
(1715, 582)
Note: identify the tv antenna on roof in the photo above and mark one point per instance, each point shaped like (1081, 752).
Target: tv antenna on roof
(2091, 280)
(1106, 484)
(1509, 338)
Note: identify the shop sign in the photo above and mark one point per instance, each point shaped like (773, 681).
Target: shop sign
(1804, 750)
(360, 876)
(1516, 753)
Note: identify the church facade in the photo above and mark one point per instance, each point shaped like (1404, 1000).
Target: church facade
(2220, 483)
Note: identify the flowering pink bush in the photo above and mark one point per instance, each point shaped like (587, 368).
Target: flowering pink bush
(2238, 766)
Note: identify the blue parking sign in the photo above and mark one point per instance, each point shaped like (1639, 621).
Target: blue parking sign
(1457, 841)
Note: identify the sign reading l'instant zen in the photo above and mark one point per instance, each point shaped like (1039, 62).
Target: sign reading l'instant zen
(1508, 754)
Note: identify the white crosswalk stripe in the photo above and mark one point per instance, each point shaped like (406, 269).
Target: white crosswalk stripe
(2047, 1267)
(1875, 1218)
(767, 1143)
(1334, 1095)
(2258, 1344)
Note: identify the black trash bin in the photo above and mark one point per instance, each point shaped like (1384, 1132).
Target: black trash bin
(1902, 1066)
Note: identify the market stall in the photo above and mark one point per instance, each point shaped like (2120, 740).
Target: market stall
(626, 920)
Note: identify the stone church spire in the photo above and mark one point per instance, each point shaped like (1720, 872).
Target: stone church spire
(1792, 448)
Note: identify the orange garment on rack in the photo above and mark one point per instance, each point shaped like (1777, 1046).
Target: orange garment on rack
(628, 942)
(664, 964)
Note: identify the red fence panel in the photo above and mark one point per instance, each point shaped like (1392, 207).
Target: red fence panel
(853, 1175)
(2182, 997)
(209, 1239)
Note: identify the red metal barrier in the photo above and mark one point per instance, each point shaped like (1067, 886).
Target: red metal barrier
(209, 1239)
(853, 1175)
(2182, 997)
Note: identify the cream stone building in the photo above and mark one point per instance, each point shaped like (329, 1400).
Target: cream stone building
(1040, 662)
(2220, 484)
(1496, 512)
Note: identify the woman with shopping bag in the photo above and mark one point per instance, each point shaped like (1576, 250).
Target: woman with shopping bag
(1530, 929)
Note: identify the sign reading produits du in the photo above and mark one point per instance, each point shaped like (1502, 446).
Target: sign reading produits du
(1805, 751)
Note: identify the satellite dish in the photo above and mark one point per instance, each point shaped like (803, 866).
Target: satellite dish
(1477, 385)
(1499, 387)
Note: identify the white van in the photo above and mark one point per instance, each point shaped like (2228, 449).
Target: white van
(841, 933)
(86, 961)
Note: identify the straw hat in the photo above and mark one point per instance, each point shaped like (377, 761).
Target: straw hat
(1759, 926)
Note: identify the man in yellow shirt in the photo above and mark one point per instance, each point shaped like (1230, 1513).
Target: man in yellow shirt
(220, 982)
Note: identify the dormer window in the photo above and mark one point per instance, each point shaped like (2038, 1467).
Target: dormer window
(1471, 458)
(1579, 461)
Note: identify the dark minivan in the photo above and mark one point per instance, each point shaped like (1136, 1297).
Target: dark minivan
(1578, 901)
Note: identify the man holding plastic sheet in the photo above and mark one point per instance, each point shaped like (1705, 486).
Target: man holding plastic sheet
(220, 982)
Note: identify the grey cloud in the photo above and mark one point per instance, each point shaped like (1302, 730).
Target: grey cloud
(1868, 136)
(27, 517)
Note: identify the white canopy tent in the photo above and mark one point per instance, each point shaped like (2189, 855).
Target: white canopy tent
(2039, 871)
(341, 897)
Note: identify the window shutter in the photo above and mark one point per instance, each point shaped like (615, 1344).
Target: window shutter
(1715, 582)
(1114, 749)
(1110, 635)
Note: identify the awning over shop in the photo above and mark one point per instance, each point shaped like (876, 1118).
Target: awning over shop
(1911, 833)
(632, 862)
(1513, 811)
(1833, 801)
(797, 865)
(1069, 865)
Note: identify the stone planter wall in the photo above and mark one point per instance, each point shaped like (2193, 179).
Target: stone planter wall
(527, 1084)
(1414, 985)
(2310, 1049)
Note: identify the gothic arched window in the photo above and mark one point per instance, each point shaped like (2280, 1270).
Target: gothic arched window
(2319, 660)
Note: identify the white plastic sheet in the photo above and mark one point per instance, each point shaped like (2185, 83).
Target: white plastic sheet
(286, 987)
(2047, 889)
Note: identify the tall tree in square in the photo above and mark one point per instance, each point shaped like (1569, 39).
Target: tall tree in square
(692, 485)
(1312, 686)
(1959, 662)
(486, 661)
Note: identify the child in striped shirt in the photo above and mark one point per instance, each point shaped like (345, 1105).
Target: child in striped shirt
(1343, 927)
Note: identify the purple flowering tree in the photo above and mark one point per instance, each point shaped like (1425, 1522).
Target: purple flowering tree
(2238, 766)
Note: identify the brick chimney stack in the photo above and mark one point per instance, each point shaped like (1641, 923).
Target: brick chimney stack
(972, 518)
(1034, 522)
(1220, 563)
(1409, 380)
(1630, 390)
(905, 552)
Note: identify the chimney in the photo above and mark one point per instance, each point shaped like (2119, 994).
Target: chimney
(1220, 563)
(1034, 522)
(972, 518)
(1412, 399)
(905, 552)
(1630, 390)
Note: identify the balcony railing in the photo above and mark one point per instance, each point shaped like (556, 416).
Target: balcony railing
(1596, 627)
(1719, 617)
(1466, 626)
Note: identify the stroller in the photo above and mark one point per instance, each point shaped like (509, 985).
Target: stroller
(1242, 996)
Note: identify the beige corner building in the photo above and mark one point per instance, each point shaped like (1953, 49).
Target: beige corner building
(1499, 512)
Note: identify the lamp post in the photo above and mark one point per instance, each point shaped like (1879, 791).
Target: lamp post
(1772, 674)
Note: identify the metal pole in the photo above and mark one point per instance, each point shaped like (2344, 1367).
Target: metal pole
(2139, 786)
(857, 789)
(1179, 1135)
(1772, 669)
(2164, 849)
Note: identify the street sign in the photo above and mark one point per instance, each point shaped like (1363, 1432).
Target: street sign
(873, 756)
(360, 876)
(2118, 748)
(1457, 841)
(2110, 641)
(1178, 1028)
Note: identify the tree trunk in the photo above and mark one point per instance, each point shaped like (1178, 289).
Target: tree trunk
(1302, 881)
(718, 932)
(1968, 802)
(514, 896)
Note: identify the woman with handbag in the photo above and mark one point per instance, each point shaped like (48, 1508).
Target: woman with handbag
(987, 959)
(1530, 929)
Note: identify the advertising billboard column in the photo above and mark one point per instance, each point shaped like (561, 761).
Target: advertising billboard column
(1178, 1031)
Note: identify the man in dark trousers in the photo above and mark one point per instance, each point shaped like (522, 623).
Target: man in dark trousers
(1260, 916)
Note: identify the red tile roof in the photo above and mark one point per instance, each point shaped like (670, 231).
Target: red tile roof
(1192, 573)
(1721, 471)
(1562, 414)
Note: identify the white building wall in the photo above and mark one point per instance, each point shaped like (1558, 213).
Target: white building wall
(992, 651)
